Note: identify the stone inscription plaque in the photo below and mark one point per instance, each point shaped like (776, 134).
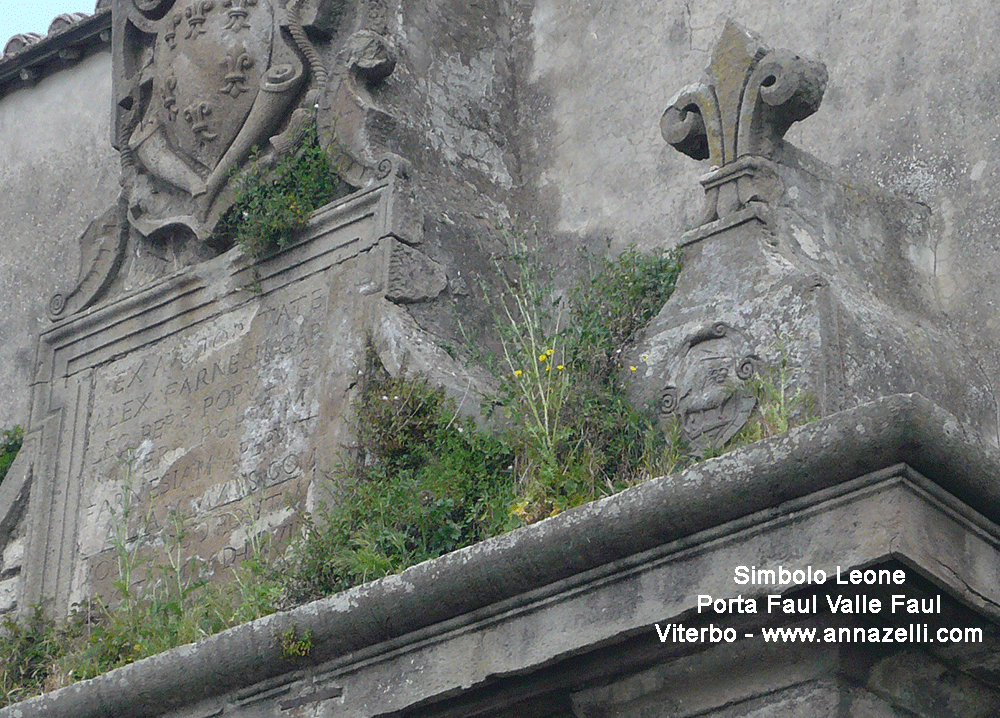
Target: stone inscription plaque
(217, 395)
(214, 430)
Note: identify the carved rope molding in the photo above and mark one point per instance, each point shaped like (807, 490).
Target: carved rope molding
(737, 119)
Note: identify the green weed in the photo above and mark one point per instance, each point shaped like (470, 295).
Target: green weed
(562, 386)
(162, 600)
(421, 482)
(294, 644)
(29, 651)
(273, 202)
(780, 405)
(10, 444)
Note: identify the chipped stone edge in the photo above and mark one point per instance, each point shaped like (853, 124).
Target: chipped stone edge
(54, 51)
(904, 428)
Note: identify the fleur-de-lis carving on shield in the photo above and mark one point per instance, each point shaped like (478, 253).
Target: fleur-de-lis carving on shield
(238, 14)
(197, 115)
(207, 91)
(236, 66)
(196, 14)
(169, 98)
(170, 36)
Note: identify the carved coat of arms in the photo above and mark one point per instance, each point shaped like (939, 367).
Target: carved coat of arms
(198, 84)
(708, 390)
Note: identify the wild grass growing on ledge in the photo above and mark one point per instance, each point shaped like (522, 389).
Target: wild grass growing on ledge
(421, 481)
(573, 432)
(171, 604)
(273, 202)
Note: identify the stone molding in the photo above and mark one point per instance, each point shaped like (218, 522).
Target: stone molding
(903, 447)
(28, 57)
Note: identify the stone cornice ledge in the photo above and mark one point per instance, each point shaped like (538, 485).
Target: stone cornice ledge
(476, 582)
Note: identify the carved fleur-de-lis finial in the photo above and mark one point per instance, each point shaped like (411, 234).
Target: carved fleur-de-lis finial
(753, 95)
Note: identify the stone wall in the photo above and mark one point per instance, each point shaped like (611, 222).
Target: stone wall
(550, 109)
(909, 107)
(192, 379)
(447, 109)
(545, 110)
(168, 368)
(57, 173)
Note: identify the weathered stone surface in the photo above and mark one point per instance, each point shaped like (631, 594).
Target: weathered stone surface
(370, 55)
(218, 402)
(229, 398)
(217, 79)
(754, 96)
(42, 213)
(413, 276)
(909, 108)
(102, 251)
(811, 267)
(9, 589)
(13, 555)
(707, 385)
(560, 616)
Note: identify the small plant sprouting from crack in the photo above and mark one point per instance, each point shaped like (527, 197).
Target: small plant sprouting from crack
(295, 645)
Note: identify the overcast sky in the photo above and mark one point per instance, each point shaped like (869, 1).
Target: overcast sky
(35, 15)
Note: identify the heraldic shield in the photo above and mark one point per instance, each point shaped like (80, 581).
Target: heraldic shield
(198, 85)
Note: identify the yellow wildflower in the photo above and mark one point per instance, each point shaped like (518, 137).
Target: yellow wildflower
(543, 357)
(548, 353)
(518, 372)
(631, 368)
(561, 367)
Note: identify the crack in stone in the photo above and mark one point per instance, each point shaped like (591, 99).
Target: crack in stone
(965, 583)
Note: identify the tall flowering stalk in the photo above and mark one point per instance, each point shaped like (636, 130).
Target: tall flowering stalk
(536, 379)
(542, 383)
